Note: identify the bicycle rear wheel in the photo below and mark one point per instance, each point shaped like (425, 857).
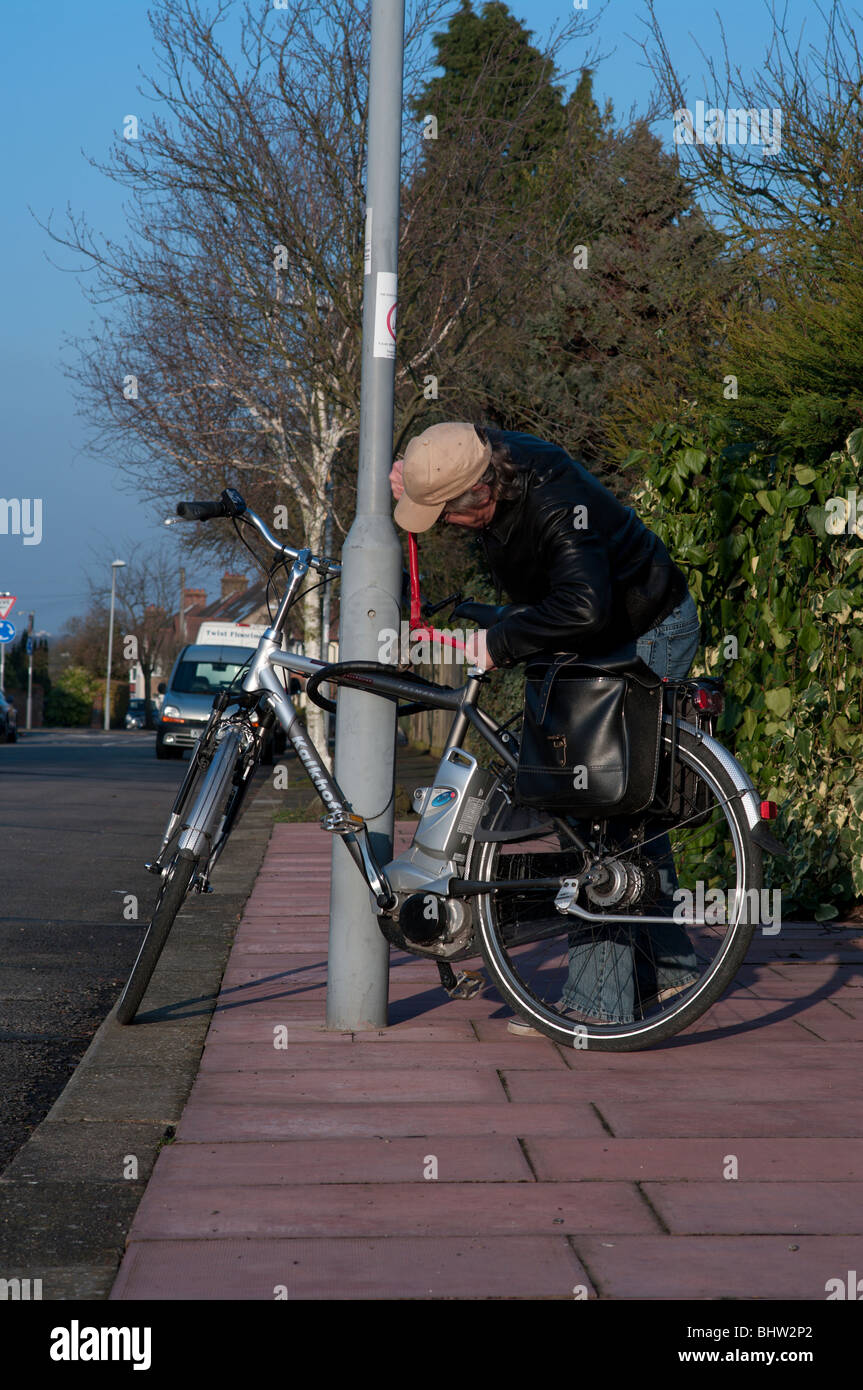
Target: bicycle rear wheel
(542, 961)
(175, 885)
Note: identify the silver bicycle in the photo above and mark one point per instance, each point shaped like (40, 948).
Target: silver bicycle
(534, 895)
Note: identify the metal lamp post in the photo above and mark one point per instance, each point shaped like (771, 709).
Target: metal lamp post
(371, 559)
(30, 619)
(115, 565)
(5, 610)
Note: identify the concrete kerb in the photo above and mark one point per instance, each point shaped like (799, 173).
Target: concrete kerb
(68, 1198)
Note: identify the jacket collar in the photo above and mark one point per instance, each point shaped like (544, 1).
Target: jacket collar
(506, 514)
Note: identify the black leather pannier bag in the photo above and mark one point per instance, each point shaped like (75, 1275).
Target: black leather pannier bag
(590, 738)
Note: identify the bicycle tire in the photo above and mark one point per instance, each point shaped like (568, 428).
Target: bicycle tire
(677, 1015)
(172, 894)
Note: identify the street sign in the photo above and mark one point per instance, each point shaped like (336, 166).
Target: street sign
(7, 631)
(7, 603)
(29, 646)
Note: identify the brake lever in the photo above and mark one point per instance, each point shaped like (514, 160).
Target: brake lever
(430, 608)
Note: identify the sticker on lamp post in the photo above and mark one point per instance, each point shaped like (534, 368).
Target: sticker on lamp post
(385, 314)
(367, 244)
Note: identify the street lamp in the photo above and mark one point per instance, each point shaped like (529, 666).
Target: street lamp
(115, 565)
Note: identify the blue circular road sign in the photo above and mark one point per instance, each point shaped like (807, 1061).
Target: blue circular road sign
(7, 631)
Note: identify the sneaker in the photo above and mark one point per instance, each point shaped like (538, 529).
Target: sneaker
(662, 995)
(522, 1029)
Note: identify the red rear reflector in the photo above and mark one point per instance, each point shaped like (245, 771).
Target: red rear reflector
(709, 700)
(768, 810)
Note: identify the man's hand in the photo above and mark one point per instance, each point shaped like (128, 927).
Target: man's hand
(476, 653)
(397, 479)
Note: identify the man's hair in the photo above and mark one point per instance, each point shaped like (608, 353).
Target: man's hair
(499, 477)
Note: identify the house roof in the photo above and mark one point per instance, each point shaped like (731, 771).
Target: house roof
(249, 606)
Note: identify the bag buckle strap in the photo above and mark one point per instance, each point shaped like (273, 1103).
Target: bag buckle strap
(545, 690)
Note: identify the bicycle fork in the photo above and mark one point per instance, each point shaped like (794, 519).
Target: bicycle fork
(198, 833)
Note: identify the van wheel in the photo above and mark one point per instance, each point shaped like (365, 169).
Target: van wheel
(268, 754)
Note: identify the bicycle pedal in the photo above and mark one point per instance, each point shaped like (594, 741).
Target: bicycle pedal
(342, 822)
(468, 983)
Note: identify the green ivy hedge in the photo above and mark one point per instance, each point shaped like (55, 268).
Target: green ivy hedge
(781, 600)
(70, 702)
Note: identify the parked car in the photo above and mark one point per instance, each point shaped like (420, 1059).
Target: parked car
(8, 720)
(199, 673)
(136, 714)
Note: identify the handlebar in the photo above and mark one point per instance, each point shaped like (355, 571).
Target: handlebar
(199, 511)
(232, 504)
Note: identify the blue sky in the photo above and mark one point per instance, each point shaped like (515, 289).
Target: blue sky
(71, 74)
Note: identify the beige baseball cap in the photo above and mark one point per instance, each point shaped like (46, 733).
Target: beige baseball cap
(440, 463)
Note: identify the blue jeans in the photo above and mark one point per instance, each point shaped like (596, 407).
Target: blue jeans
(606, 975)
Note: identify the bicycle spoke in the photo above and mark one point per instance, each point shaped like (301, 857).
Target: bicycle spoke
(615, 975)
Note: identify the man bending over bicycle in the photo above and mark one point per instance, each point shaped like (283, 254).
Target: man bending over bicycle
(585, 575)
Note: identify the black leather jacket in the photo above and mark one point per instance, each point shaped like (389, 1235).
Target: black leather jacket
(583, 581)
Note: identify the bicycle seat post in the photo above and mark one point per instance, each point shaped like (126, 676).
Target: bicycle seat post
(461, 722)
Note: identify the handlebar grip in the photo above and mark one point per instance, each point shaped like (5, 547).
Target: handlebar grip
(483, 614)
(201, 511)
(487, 614)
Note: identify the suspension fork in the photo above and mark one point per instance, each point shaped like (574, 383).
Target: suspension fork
(198, 834)
(200, 758)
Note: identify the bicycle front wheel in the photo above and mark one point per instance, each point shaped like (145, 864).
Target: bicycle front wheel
(612, 982)
(196, 840)
(175, 885)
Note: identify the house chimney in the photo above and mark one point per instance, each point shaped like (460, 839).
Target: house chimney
(194, 599)
(233, 584)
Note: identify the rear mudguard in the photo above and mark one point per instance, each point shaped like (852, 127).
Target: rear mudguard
(763, 838)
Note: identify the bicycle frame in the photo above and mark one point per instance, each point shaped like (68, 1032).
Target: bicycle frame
(263, 676)
(419, 893)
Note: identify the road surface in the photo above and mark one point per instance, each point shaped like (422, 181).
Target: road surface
(80, 812)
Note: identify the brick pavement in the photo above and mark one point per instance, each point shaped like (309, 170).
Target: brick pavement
(302, 1172)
